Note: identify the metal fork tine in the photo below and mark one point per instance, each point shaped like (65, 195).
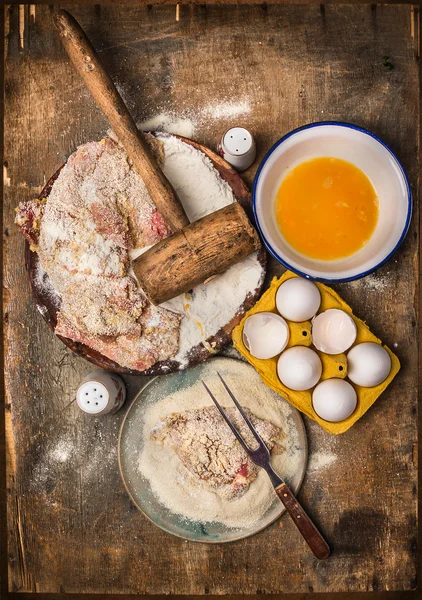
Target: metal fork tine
(242, 412)
(261, 457)
(225, 417)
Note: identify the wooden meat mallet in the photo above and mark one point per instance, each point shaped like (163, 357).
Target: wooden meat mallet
(196, 251)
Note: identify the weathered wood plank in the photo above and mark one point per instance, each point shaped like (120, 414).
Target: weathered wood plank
(71, 527)
(184, 3)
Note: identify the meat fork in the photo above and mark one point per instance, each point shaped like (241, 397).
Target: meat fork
(261, 457)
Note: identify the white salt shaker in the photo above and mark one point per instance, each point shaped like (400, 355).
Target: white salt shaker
(237, 147)
(101, 393)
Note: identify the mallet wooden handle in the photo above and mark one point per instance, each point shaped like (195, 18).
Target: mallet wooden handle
(105, 94)
(187, 258)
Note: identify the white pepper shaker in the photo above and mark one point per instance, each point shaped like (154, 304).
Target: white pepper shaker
(101, 393)
(237, 147)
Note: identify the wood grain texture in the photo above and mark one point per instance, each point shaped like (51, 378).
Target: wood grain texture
(187, 3)
(191, 256)
(71, 527)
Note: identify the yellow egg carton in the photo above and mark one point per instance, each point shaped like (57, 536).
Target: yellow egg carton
(332, 365)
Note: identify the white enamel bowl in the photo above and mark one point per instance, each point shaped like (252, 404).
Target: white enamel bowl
(368, 153)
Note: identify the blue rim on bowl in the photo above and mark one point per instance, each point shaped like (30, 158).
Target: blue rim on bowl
(274, 252)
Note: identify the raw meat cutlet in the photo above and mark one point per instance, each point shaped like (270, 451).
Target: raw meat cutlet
(74, 244)
(107, 306)
(97, 211)
(137, 348)
(209, 450)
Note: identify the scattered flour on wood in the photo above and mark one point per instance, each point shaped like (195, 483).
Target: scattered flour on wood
(101, 454)
(88, 457)
(319, 460)
(373, 282)
(172, 483)
(186, 122)
(62, 451)
(169, 123)
(227, 110)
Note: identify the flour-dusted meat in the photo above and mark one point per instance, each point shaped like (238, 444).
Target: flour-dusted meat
(106, 306)
(156, 324)
(127, 329)
(121, 349)
(210, 452)
(97, 211)
(73, 244)
(138, 347)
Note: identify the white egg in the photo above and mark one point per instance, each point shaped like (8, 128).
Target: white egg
(333, 331)
(299, 368)
(298, 299)
(334, 400)
(265, 334)
(368, 364)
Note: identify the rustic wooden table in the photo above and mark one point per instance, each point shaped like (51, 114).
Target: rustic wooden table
(70, 525)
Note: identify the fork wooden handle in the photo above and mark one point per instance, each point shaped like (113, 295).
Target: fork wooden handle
(309, 532)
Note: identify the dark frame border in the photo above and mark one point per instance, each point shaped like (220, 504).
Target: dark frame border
(4, 593)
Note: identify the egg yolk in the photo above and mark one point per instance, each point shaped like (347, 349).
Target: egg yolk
(326, 208)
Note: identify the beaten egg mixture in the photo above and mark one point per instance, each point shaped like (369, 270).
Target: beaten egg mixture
(326, 208)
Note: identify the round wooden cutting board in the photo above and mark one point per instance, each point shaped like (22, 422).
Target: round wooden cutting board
(49, 304)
